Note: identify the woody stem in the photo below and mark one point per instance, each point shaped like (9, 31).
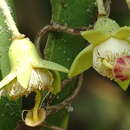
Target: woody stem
(56, 108)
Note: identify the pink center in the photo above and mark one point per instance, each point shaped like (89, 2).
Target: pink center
(121, 70)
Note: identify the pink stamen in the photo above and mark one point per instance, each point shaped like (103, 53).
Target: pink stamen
(120, 61)
(121, 70)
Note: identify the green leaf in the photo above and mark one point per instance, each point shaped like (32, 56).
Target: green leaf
(82, 62)
(123, 33)
(9, 110)
(123, 84)
(94, 37)
(62, 48)
(10, 113)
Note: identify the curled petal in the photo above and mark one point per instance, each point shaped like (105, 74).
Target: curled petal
(31, 121)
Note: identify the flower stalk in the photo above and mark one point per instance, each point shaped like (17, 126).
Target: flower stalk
(101, 8)
(128, 3)
(9, 20)
(37, 104)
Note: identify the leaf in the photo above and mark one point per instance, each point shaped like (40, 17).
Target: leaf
(9, 110)
(94, 37)
(82, 62)
(62, 48)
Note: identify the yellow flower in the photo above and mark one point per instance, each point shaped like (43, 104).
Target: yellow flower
(108, 44)
(29, 72)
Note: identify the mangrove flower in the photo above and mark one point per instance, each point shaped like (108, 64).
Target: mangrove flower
(29, 73)
(108, 52)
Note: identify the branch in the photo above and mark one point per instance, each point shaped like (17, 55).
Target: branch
(56, 28)
(55, 108)
(51, 126)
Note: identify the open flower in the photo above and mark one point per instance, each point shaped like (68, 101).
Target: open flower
(109, 45)
(29, 73)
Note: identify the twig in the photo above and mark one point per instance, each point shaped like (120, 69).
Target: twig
(50, 97)
(55, 108)
(56, 28)
(66, 81)
(44, 124)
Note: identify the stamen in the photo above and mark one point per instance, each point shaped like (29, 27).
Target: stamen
(107, 64)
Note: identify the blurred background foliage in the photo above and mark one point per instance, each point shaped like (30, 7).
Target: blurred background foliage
(101, 104)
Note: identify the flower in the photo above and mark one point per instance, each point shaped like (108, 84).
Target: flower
(29, 73)
(109, 44)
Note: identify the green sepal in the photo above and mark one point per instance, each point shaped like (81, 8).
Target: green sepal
(106, 25)
(123, 33)
(82, 62)
(23, 74)
(7, 80)
(56, 87)
(50, 65)
(123, 84)
(94, 37)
